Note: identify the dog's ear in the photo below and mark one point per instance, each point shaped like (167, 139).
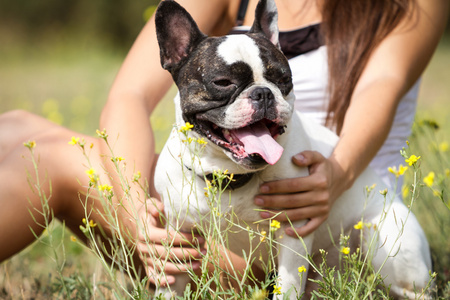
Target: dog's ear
(266, 21)
(177, 34)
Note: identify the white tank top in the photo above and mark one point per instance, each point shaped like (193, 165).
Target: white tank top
(310, 78)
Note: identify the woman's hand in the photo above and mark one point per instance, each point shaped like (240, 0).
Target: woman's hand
(153, 241)
(301, 198)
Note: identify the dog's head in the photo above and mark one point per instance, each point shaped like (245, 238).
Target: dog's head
(236, 90)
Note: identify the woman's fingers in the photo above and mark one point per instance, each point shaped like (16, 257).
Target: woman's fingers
(162, 274)
(308, 228)
(295, 214)
(296, 200)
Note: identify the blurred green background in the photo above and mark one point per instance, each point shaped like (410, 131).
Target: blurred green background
(58, 59)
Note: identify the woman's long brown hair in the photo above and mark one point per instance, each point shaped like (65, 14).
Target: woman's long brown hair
(352, 30)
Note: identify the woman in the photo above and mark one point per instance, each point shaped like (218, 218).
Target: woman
(375, 52)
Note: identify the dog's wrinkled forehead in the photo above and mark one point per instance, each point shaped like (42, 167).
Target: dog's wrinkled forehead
(242, 48)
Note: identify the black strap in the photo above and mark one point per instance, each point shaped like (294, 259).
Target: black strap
(296, 42)
(241, 12)
(301, 41)
(239, 180)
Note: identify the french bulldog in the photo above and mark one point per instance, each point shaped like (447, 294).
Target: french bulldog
(236, 91)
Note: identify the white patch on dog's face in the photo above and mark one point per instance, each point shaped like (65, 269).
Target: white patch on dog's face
(242, 48)
(240, 113)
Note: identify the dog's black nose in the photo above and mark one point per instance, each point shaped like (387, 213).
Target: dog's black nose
(262, 94)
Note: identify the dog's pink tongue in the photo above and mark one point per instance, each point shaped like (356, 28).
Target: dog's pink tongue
(257, 139)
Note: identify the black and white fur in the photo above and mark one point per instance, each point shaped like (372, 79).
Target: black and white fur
(227, 83)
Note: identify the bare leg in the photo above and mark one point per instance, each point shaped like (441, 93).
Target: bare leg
(60, 164)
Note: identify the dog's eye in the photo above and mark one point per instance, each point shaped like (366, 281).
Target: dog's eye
(284, 80)
(224, 83)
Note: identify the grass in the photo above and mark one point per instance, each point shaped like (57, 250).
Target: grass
(69, 84)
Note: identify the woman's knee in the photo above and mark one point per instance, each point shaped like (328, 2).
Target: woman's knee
(18, 126)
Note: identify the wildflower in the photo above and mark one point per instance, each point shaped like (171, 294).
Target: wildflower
(30, 144)
(447, 172)
(301, 269)
(92, 175)
(345, 250)
(443, 147)
(274, 225)
(358, 225)
(117, 159)
(186, 127)
(202, 142)
(277, 290)
(102, 134)
(263, 236)
(370, 188)
(429, 179)
(384, 192)
(73, 239)
(136, 176)
(401, 170)
(412, 159)
(74, 141)
(105, 187)
(92, 224)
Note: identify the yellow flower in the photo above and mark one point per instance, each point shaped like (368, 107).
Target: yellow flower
(429, 179)
(186, 127)
(401, 170)
(102, 134)
(277, 290)
(443, 147)
(105, 187)
(370, 188)
(447, 172)
(345, 250)
(136, 176)
(73, 239)
(274, 225)
(302, 269)
(263, 236)
(30, 144)
(384, 192)
(74, 141)
(358, 225)
(117, 159)
(92, 224)
(412, 159)
(202, 142)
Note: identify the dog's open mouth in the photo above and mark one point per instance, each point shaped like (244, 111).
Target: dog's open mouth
(255, 141)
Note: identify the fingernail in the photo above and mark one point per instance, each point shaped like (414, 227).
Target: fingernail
(264, 189)
(170, 280)
(259, 201)
(203, 251)
(299, 157)
(290, 231)
(265, 215)
(195, 265)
